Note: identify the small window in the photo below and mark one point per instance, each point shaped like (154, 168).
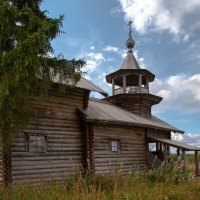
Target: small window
(37, 143)
(114, 145)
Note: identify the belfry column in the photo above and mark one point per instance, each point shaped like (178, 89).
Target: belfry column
(124, 84)
(140, 83)
(113, 86)
(147, 84)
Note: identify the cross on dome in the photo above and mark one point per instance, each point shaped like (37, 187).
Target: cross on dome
(130, 27)
(130, 42)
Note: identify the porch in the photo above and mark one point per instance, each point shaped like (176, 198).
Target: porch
(163, 150)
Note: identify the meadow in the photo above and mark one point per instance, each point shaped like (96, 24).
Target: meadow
(168, 183)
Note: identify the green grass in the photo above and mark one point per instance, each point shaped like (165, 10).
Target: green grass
(169, 183)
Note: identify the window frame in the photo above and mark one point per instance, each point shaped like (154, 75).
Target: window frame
(37, 148)
(114, 145)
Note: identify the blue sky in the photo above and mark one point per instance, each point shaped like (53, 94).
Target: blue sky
(167, 36)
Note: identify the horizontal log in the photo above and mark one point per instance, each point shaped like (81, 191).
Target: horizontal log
(117, 160)
(122, 148)
(130, 155)
(44, 180)
(42, 177)
(52, 133)
(134, 167)
(46, 171)
(23, 155)
(47, 162)
(51, 149)
(56, 128)
(42, 166)
(114, 171)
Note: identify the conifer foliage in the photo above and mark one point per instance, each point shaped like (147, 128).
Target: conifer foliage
(26, 66)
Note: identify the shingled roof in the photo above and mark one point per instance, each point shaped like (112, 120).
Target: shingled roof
(130, 62)
(101, 111)
(85, 84)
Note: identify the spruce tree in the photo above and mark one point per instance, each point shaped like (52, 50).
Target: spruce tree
(26, 66)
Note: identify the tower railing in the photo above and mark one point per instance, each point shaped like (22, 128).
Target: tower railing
(131, 90)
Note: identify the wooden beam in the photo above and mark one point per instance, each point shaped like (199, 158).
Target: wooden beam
(196, 164)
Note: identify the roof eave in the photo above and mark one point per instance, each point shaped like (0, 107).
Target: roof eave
(101, 121)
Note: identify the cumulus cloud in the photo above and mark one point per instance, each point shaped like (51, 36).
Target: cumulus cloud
(189, 138)
(92, 48)
(93, 59)
(140, 60)
(178, 92)
(110, 49)
(179, 17)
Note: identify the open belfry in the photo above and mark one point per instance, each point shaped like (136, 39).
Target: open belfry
(130, 84)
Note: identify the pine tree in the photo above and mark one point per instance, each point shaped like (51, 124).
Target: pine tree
(25, 65)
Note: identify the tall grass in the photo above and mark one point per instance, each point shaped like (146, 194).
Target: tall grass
(169, 183)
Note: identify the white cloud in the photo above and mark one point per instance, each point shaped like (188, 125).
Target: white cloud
(179, 17)
(140, 60)
(189, 138)
(92, 48)
(92, 61)
(96, 56)
(178, 92)
(123, 53)
(110, 49)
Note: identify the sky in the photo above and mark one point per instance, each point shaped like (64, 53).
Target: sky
(167, 36)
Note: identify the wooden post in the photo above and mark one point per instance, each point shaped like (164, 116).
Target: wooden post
(184, 158)
(196, 164)
(113, 86)
(165, 154)
(157, 146)
(161, 147)
(147, 84)
(124, 84)
(140, 83)
(178, 152)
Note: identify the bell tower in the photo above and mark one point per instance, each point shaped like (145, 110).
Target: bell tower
(130, 84)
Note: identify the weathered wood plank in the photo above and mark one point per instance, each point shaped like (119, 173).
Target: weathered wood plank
(132, 148)
(55, 117)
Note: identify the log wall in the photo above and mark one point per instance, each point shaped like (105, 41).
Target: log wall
(136, 106)
(158, 133)
(132, 154)
(56, 118)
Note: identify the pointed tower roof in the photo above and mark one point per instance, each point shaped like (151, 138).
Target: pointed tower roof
(130, 62)
(130, 65)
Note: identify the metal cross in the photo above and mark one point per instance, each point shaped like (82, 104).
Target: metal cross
(130, 24)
